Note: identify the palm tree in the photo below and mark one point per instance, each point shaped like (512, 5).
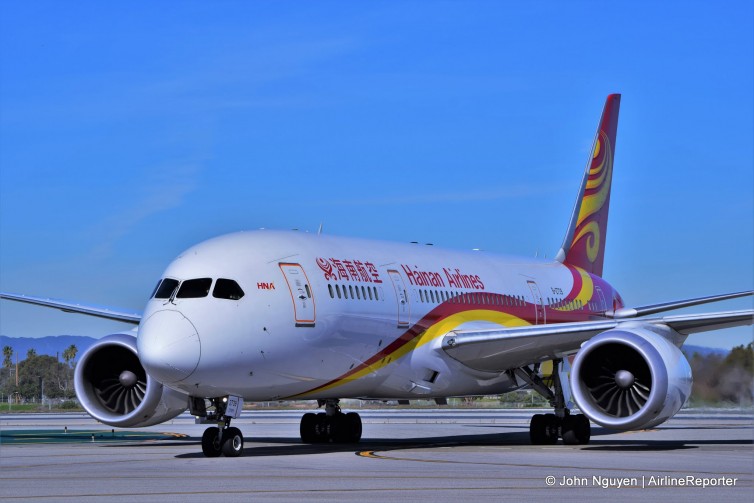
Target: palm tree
(7, 356)
(69, 355)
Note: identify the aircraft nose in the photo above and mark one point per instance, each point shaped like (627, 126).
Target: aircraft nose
(169, 347)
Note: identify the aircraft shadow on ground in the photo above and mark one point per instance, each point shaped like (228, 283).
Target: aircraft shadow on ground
(292, 446)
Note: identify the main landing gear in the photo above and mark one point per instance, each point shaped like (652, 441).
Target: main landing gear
(330, 426)
(223, 438)
(545, 429)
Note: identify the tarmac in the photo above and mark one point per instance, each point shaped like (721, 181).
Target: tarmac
(438, 455)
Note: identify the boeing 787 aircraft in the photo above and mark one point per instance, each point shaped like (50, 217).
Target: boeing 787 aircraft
(269, 315)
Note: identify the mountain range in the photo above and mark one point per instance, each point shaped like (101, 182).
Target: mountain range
(51, 345)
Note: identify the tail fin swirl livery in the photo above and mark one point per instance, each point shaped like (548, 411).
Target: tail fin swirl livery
(584, 243)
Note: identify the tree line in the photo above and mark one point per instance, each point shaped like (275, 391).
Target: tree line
(723, 379)
(718, 380)
(38, 376)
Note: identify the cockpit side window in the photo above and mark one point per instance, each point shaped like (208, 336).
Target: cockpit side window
(194, 288)
(227, 289)
(155, 288)
(166, 288)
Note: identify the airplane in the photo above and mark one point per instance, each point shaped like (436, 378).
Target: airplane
(284, 315)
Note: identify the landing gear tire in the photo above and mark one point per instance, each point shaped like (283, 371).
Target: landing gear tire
(308, 428)
(338, 428)
(232, 442)
(551, 428)
(353, 423)
(537, 429)
(211, 445)
(543, 429)
(576, 430)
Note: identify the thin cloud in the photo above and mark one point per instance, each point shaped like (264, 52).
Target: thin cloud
(162, 193)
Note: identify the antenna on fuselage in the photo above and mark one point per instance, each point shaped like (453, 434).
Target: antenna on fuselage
(319, 231)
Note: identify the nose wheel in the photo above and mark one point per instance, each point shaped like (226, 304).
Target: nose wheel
(226, 441)
(232, 442)
(222, 439)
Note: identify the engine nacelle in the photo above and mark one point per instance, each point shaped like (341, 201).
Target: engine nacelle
(115, 389)
(630, 379)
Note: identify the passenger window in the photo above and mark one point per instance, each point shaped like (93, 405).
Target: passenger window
(332, 294)
(225, 289)
(337, 290)
(166, 289)
(376, 297)
(194, 288)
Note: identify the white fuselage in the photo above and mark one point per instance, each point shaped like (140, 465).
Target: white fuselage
(329, 317)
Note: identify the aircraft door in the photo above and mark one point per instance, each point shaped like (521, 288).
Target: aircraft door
(301, 294)
(402, 295)
(539, 308)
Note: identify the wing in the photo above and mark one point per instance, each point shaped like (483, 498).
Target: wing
(501, 349)
(632, 312)
(109, 313)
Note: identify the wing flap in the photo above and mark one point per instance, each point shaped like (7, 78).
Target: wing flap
(108, 313)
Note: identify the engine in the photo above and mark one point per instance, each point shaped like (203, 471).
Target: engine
(630, 379)
(115, 389)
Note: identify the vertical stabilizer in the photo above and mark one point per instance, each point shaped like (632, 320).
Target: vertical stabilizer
(584, 243)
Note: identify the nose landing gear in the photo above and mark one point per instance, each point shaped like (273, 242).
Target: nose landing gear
(223, 438)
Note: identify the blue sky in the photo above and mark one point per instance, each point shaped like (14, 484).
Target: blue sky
(130, 131)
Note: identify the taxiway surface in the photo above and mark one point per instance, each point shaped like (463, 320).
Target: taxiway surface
(405, 455)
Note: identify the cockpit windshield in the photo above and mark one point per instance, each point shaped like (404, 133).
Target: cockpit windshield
(194, 288)
(197, 288)
(166, 288)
